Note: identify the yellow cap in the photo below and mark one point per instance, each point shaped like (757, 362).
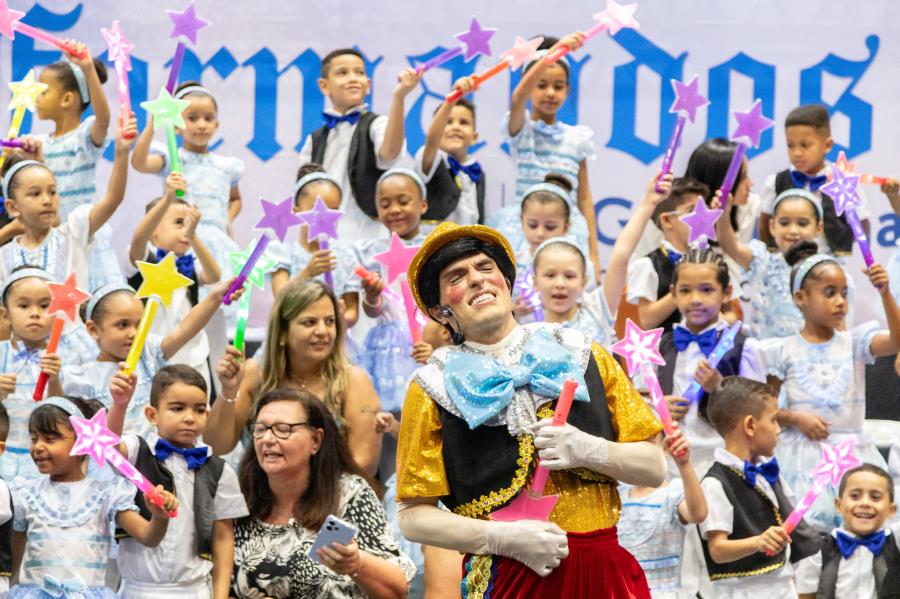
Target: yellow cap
(443, 234)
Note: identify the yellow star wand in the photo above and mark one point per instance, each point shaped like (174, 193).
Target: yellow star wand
(24, 96)
(161, 280)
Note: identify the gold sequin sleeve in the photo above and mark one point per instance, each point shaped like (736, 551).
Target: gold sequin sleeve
(631, 417)
(420, 459)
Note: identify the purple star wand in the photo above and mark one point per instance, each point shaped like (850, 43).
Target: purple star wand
(687, 100)
(475, 41)
(751, 125)
(185, 24)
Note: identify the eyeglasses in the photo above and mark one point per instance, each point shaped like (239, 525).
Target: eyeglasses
(281, 430)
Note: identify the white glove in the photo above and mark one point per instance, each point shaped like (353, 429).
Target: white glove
(539, 545)
(565, 446)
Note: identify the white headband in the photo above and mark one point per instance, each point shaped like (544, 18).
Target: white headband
(809, 264)
(315, 176)
(101, 293)
(81, 80)
(8, 177)
(565, 239)
(24, 273)
(799, 193)
(549, 188)
(192, 89)
(399, 170)
(66, 405)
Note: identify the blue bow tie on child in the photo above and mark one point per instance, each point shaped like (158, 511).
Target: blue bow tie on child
(848, 544)
(801, 179)
(28, 355)
(333, 120)
(673, 256)
(472, 170)
(194, 456)
(683, 337)
(185, 264)
(481, 387)
(769, 471)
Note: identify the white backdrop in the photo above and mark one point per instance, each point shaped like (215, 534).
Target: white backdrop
(262, 60)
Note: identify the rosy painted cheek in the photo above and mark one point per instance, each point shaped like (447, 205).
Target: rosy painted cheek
(455, 294)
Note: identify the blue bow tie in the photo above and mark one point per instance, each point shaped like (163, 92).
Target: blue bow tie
(473, 171)
(672, 255)
(552, 132)
(801, 180)
(332, 121)
(481, 387)
(185, 264)
(28, 356)
(70, 589)
(194, 456)
(848, 544)
(769, 471)
(683, 337)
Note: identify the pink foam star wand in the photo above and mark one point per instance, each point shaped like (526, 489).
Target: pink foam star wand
(641, 351)
(278, 217)
(723, 346)
(93, 438)
(687, 100)
(64, 300)
(185, 24)
(532, 504)
(10, 24)
(751, 125)
(842, 190)
(521, 52)
(120, 54)
(615, 18)
(396, 260)
(473, 42)
(848, 167)
(410, 304)
(368, 276)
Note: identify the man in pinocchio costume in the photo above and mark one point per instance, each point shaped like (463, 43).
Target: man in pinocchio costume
(478, 416)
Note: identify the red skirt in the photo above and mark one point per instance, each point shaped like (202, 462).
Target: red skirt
(597, 568)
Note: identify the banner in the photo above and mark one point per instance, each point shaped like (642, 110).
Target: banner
(262, 61)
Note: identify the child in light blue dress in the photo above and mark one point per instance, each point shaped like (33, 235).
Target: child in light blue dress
(822, 373)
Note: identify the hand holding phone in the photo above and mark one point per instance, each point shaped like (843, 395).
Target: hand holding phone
(333, 530)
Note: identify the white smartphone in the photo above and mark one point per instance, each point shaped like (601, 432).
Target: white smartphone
(334, 530)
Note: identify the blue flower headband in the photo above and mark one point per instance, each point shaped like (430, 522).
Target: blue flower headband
(81, 80)
(101, 293)
(799, 193)
(809, 264)
(549, 188)
(399, 170)
(63, 404)
(24, 273)
(315, 176)
(8, 177)
(192, 89)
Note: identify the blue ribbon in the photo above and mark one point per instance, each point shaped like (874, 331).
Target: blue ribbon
(683, 337)
(801, 180)
(54, 587)
(848, 544)
(473, 171)
(332, 121)
(768, 470)
(481, 387)
(194, 456)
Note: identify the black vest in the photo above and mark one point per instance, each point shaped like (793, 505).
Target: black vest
(484, 460)
(193, 292)
(730, 365)
(6, 532)
(362, 164)
(665, 271)
(885, 569)
(754, 513)
(444, 193)
(206, 482)
(837, 231)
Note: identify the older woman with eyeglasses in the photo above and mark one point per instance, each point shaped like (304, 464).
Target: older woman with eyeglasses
(296, 473)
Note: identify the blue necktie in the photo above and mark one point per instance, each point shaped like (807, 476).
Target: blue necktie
(848, 544)
(706, 340)
(332, 121)
(672, 255)
(769, 471)
(184, 264)
(194, 456)
(801, 180)
(473, 171)
(481, 387)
